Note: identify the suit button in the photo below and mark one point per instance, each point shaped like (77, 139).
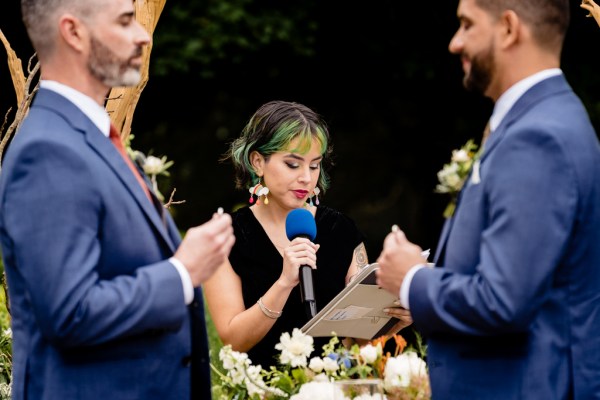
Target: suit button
(186, 361)
(195, 304)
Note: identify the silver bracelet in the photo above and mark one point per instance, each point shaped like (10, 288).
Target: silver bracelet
(269, 313)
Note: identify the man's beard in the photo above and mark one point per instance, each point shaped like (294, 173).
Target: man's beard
(110, 69)
(482, 69)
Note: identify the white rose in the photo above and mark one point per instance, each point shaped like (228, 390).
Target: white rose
(369, 353)
(316, 364)
(400, 369)
(318, 391)
(330, 365)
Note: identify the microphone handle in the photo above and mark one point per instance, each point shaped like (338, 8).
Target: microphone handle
(307, 290)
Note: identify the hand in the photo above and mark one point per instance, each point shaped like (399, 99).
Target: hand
(397, 257)
(300, 251)
(404, 317)
(593, 8)
(204, 248)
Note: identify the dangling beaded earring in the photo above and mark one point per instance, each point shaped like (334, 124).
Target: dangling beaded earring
(258, 190)
(315, 194)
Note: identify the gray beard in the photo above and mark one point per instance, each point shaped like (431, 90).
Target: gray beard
(109, 69)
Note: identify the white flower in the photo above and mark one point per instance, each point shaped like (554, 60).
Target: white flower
(318, 391)
(369, 353)
(321, 378)
(460, 155)
(316, 364)
(154, 165)
(449, 177)
(330, 365)
(400, 369)
(295, 349)
(233, 359)
(253, 379)
(5, 390)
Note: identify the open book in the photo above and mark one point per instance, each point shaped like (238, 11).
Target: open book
(357, 311)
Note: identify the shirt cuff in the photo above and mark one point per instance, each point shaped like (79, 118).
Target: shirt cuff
(405, 287)
(186, 281)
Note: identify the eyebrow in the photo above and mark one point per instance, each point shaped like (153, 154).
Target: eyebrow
(297, 157)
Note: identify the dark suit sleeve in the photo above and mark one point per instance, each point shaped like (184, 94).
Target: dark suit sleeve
(531, 193)
(54, 212)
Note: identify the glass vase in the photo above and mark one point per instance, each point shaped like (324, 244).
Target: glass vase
(365, 389)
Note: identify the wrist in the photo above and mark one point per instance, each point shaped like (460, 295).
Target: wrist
(284, 283)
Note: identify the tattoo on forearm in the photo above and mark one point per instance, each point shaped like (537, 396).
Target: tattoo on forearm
(360, 255)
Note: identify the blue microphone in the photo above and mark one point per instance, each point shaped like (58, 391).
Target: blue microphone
(301, 223)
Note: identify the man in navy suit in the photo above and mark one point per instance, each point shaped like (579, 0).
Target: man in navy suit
(512, 310)
(105, 297)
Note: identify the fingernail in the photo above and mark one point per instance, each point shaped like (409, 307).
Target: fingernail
(220, 210)
(395, 228)
(386, 310)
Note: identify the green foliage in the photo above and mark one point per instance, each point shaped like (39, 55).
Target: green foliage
(214, 344)
(5, 341)
(211, 35)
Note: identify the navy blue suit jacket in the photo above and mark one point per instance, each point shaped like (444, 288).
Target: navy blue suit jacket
(97, 310)
(514, 310)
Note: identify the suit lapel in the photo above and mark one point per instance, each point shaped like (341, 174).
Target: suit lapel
(107, 151)
(545, 88)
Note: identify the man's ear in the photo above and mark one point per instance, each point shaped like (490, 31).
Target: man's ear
(511, 28)
(73, 32)
(257, 161)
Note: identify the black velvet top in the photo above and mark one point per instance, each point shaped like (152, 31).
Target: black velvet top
(258, 263)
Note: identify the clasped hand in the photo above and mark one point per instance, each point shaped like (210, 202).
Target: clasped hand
(397, 257)
(300, 251)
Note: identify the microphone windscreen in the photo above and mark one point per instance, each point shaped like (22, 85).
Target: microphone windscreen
(300, 222)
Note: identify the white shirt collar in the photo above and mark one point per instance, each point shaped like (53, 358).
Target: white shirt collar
(86, 104)
(510, 97)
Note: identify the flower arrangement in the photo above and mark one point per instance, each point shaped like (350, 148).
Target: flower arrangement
(453, 175)
(153, 167)
(402, 376)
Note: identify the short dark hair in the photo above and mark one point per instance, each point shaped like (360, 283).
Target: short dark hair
(547, 19)
(41, 19)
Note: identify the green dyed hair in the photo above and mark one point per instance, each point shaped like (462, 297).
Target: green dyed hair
(271, 129)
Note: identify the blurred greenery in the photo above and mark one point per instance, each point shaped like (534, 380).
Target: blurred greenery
(214, 344)
(205, 37)
(5, 340)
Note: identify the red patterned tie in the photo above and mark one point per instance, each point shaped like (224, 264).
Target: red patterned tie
(116, 139)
